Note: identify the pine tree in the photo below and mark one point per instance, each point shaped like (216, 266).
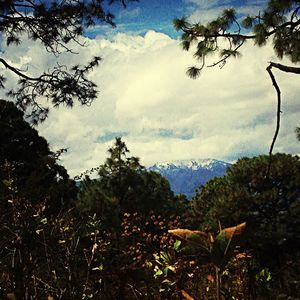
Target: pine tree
(270, 206)
(125, 185)
(37, 175)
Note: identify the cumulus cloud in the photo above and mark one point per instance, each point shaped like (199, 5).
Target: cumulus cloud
(146, 97)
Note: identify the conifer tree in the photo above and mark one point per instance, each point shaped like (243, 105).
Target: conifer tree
(36, 173)
(124, 184)
(270, 206)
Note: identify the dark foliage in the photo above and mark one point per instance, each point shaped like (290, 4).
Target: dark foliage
(37, 175)
(113, 245)
(126, 185)
(270, 206)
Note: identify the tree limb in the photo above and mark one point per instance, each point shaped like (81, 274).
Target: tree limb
(288, 69)
(238, 35)
(269, 70)
(16, 71)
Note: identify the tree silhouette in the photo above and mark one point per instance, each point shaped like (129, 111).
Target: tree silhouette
(54, 24)
(279, 21)
(270, 206)
(37, 175)
(124, 184)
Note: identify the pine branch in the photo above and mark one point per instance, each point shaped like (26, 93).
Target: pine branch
(18, 72)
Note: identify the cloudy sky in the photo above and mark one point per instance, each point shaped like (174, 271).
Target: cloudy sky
(146, 97)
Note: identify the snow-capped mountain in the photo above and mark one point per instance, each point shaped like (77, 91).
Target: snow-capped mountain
(185, 176)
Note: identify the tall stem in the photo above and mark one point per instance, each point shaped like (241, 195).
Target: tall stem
(218, 283)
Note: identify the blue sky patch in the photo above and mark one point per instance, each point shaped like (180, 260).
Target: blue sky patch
(108, 136)
(140, 17)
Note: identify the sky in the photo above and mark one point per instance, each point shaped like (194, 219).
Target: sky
(146, 97)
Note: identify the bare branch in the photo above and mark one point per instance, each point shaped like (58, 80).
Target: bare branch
(269, 70)
(288, 69)
(18, 72)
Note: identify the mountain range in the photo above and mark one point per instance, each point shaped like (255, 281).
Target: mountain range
(185, 176)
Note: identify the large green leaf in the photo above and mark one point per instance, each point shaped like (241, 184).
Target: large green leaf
(222, 247)
(219, 250)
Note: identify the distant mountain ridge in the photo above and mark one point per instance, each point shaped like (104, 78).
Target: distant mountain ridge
(185, 176)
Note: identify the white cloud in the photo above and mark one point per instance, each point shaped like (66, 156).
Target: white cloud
(146, 95)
